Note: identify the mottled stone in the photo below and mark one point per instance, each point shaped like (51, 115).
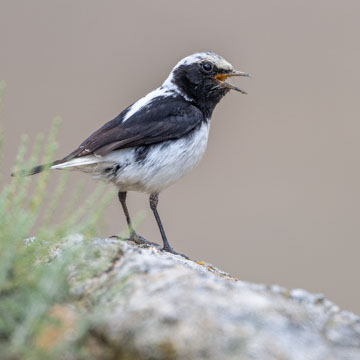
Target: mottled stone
(147, 304)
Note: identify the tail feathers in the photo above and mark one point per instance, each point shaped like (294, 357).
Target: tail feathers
(37, 169)
(81, 161)
(59, 164)
(34, 170)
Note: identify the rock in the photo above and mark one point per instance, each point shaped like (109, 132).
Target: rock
(147, 304)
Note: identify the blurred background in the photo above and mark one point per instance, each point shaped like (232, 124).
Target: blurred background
(276, 197)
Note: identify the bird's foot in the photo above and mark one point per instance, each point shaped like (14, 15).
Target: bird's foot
(137, 239)
(172, 251)
(141, 240)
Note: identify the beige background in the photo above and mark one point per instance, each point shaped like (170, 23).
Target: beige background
(276, 197)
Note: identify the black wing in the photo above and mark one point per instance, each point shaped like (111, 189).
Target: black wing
(165, 118)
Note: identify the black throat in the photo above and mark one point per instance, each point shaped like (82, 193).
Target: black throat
(203, 92)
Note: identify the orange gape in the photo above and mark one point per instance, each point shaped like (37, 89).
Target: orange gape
(221, 77)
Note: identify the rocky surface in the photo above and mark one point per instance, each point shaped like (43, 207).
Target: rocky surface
(147, 304)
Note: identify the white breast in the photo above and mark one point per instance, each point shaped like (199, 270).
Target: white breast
(163, 165)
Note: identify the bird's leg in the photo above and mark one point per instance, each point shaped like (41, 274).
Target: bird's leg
(154, 200)
(133, 235)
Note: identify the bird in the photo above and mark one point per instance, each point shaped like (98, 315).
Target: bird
(159, 138)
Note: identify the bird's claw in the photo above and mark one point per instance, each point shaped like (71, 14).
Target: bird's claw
(172, 251)
(137, 239)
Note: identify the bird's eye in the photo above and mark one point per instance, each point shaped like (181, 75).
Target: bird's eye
(207, 67)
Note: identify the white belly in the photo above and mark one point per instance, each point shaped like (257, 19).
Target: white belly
(162, 165)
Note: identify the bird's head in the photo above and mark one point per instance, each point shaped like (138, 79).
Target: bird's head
(201, 78)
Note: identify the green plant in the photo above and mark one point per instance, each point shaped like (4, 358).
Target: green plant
(34, 318)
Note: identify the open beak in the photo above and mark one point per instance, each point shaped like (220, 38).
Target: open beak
(222, 77)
